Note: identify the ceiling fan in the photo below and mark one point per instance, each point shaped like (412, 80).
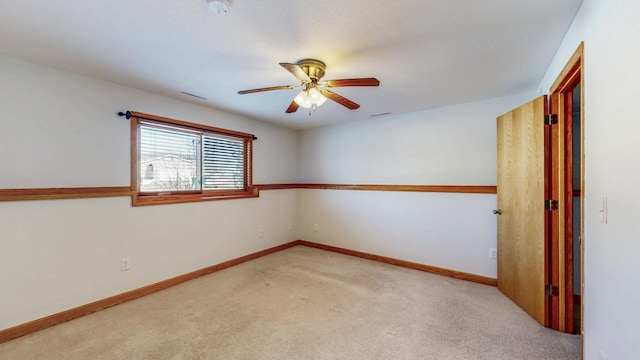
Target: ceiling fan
(314, 94)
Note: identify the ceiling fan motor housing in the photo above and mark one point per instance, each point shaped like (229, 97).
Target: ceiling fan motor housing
(312, 67)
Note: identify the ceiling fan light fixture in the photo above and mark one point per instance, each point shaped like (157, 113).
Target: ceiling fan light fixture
(316, 96)
(303, 99)
(308, 98)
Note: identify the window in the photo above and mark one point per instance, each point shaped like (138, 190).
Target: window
(175, 161)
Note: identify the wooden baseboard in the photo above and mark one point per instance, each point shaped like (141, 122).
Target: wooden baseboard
(61, 317)
(407, 264)
(64, 316)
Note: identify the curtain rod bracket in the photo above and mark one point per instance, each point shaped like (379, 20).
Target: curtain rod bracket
(127, 114)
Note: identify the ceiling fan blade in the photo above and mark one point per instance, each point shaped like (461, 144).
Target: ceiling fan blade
(340, 99)
(283, 87)
(297, 71)
(352, 82)
(293, 107)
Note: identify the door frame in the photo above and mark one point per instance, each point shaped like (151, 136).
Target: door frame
(569, 77)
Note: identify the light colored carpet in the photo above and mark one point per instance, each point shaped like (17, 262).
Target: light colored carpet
(304, 303)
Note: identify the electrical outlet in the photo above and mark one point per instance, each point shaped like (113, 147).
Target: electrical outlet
(493, 253)
(125, 264)
(316, 227)
(603, 356)
(290, 227)
(260, 233)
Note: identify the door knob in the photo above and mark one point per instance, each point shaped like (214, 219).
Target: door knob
(497, 212)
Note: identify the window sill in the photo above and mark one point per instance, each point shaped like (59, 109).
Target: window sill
(143, 200)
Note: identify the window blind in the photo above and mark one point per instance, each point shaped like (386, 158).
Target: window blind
(169, 159)
(223, 165)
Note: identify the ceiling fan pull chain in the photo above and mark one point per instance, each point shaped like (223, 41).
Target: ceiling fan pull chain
(313, 108)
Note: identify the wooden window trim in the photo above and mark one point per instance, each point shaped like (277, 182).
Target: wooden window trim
(142, 199)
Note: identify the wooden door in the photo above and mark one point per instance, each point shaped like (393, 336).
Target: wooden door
(521, 194)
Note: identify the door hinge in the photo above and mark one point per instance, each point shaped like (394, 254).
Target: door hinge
(551, 205)
(551, 119)
(551, 290)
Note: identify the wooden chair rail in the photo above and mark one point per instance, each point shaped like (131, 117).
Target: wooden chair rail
(63, 193)
(466, 189)
(96, 192)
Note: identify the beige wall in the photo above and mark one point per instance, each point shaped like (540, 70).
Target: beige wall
(454, 145)
(61, 130)
(610, 31)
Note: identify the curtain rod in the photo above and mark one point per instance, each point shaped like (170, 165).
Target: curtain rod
(128, 116)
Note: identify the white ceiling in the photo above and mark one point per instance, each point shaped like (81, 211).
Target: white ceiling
(426, 53)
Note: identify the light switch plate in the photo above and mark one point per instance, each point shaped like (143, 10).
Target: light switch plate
(603, 211)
